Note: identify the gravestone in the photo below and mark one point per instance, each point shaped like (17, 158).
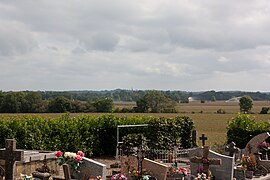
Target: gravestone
(11, 155)
(156, 169)
(252, 149)
(232, 149)
(221, 172)
(203, 138)
(91, 168)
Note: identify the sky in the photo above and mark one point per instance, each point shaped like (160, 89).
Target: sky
(191, 45)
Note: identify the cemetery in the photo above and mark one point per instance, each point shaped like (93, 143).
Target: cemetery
(161, 149)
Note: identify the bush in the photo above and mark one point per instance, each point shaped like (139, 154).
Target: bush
(243, 128)
(264, 110)
(221, 111)
(90, 134)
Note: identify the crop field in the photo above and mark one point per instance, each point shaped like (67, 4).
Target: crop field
(204, 115)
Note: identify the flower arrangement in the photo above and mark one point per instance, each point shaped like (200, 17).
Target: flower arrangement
(202, 176)
(249, 163)
(174, 170)
(74, 160)
(134, 173)
(263, 147)
(119, 177)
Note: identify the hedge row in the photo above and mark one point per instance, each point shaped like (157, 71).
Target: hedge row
(91, 134)
(243, 128)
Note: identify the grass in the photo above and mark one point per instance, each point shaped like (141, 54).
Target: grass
(204, 115)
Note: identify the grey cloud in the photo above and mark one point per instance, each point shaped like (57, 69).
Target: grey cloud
(104, 41)
(15, 39)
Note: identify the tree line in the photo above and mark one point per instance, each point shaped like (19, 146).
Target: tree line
(34, 102)
(103, 101)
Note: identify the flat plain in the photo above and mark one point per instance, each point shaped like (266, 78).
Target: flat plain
(204, 115)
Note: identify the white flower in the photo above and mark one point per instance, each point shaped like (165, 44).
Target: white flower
(69, 154)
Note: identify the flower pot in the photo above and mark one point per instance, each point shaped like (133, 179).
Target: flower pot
(249, 174)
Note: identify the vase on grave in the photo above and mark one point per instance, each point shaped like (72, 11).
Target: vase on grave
(76, 174)
(249, 174)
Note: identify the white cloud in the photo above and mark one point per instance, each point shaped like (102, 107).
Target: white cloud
(186, 45)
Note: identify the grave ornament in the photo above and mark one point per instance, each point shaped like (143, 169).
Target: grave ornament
(205, 160)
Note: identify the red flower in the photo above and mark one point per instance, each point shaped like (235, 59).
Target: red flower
(58, 153)
(80, 153)
(78, 158)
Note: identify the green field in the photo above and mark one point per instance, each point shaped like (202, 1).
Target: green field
(206, 119)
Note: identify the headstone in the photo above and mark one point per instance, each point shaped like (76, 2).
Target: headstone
(203, 139)
(194, 138)
(252, 149)
(156, 169)
(220, 172)
(10, 155)
(232, 149)
(91, 168)
(205, 160)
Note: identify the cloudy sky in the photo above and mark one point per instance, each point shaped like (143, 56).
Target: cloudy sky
(189, 45)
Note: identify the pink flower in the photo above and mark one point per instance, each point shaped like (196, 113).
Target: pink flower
(80, 153)
(58, 153)
(78, 158)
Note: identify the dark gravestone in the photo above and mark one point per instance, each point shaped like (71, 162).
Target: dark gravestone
(232, 149)
(194, 138)
(10, 155)
(203, 139)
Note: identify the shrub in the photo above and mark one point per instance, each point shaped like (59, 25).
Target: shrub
(264, 110)
(243, 128)
(90, 134)
(221, 111)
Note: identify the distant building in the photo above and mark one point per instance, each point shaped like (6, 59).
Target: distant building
(234, 99)
(192, 99)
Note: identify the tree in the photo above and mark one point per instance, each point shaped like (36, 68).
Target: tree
(59, 104)
(264, 110)
(245, 104)
(103, 104)
(155, 102)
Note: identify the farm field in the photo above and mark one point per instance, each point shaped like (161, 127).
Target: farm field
(204, 115)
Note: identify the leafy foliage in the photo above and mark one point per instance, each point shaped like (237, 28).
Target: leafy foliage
(155, 102)
(243, 128)
(245, 104)
(90, 134)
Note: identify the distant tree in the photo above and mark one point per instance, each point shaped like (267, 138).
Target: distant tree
(245, 104)
(264, 110)
(155, 102)
(31, 103)
(103, 104)
(78, 106)
(59, 104)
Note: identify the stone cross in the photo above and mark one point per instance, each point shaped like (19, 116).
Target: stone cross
(232, 149)
(205, 160)
(10, 155)
(203, 139)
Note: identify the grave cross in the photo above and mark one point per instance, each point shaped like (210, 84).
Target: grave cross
(203, 139)
(10, 155)
(232, 149)
(205, 160)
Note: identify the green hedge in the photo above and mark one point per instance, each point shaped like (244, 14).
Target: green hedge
(243, 128)
(91, 134)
